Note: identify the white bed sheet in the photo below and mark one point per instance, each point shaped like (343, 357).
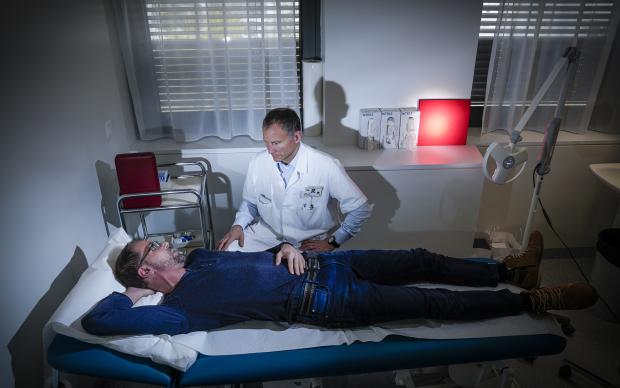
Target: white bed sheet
(180, 351)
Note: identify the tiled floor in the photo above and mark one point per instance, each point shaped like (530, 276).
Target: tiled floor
(595, 346)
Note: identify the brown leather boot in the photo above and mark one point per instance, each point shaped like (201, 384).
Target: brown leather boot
(573, 296)
(524, 268)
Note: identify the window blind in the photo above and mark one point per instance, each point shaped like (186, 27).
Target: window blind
(554, 20)
(218, 55)
(529, 38)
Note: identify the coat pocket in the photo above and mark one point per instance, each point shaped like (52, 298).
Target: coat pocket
(264, 200)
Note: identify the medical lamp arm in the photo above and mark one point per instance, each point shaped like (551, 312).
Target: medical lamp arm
(551, 136)
(570, 56)
(553, 128)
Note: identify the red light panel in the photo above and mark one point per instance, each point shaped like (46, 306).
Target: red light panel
(443, 122)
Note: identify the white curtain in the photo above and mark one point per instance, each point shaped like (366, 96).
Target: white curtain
(529, 39)
(208, 68)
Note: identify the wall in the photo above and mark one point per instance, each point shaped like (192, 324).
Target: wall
(61, 84)
(388, 54)
(444, 207)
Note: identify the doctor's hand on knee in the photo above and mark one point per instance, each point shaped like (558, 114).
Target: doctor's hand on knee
(294, 258)
(316, 246)
(235, 233)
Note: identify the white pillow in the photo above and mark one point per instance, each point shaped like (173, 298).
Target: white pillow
(96, 283)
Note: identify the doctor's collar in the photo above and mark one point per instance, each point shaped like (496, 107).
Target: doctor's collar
(292, 163)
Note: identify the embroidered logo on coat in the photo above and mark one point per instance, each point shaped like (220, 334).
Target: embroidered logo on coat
(311, 192)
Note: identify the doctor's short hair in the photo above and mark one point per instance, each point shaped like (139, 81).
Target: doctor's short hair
(126, 267)
(286, 117)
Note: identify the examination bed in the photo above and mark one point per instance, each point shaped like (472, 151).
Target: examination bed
(393, 353)
(250, 352)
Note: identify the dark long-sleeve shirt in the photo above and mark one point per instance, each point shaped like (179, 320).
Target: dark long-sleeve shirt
(218, 289)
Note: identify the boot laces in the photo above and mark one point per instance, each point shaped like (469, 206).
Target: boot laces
(522, 260)
(544, 299)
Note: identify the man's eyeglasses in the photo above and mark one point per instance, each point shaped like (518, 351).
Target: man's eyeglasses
(150, 247)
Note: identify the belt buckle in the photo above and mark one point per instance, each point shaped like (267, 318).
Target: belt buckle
(312, 269)
(312, 264)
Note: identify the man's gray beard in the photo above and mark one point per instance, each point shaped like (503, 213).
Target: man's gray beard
(179, 258)
(172, 261)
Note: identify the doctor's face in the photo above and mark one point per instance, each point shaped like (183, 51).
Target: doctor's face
(281, 146)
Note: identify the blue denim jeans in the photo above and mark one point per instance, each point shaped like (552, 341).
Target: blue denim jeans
(358, 288)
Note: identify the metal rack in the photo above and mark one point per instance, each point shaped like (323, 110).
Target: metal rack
(173, 199)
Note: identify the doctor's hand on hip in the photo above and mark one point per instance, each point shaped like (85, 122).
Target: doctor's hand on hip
(235, 233)
(316, 246)
(294, 258)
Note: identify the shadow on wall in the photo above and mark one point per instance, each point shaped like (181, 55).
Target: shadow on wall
(220, 191)
(376, 232)
(108, 186)
(318, 97)
(451, 212)
(26, 347)
(336, 109)
(407, 215)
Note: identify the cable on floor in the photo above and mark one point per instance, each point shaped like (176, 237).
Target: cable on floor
(570, 252)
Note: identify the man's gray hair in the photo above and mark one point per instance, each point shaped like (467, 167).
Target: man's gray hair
(127, 264)
(286, 117)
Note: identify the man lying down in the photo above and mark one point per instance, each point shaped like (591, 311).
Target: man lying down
(211, 289)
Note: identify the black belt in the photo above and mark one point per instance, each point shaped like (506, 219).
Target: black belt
(310, 284)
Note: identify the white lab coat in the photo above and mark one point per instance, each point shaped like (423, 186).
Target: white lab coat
(300, 210)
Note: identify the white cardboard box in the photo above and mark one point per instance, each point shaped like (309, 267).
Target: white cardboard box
(390, 127)
(369, 129)
(409, 127)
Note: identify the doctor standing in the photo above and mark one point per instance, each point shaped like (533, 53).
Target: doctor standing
(287, 193)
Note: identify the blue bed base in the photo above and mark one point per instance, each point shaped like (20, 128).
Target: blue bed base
(67, 354)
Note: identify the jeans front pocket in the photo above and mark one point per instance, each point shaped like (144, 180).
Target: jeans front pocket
(315, 310)
(320, 302)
